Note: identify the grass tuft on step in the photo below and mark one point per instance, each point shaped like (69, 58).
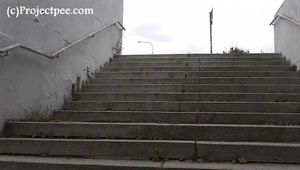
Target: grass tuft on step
(38, 117)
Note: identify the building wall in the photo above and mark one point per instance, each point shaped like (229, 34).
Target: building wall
(30, 83)
(287, 33)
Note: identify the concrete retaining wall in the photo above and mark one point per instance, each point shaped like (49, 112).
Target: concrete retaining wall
(30, 83)
(287, 33)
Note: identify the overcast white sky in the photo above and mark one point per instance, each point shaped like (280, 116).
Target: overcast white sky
(182, 26)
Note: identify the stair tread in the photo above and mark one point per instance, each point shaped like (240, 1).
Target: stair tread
(152, 124)
(185, 78)
(149, 84)
(195, 72)
(186, 93)
(206, 66)
(79, 161)
(166, 112)
(249, 143)
(118, 163)
(183, 102)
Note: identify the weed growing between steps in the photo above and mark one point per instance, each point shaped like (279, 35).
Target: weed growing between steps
(293, 67)
(240, 160)
(283, 100)
(38, 117)
(42, 135)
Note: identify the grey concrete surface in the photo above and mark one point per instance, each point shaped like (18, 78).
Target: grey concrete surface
(195, 64)
(145, 149)
(234, 88)
(254, 55)
(187, 106)
(189, 59)
(175, 165)
(125, 116)
(203, 68)
(58, 163)
(201, 80)
(250, 151)
(239, 115)
(205, 132)
(107, 148)
(38, 85)
(173, 74)
(165, 96)
(287, 33)
(61, 163)
(179, 117)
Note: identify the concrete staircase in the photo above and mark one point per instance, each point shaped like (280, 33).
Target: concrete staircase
(201, 108)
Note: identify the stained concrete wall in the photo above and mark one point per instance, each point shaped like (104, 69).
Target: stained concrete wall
(287, 33)
(30, 83)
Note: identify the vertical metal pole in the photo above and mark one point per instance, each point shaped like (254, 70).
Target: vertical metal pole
(210, 27)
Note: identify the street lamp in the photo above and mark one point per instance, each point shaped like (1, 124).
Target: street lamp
(148, 43)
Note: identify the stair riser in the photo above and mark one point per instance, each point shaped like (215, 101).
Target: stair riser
(156, 117)
(181, 117)
(243, 107)
(195, 64)
(186, 106)
(258, 55)
(228, 68)
(167, 132)
(140, 74)
(189, 97)
(194, 74)
(246, 80)
(13, 165)
(225, 152)
(105, 149)
(193, 88)
(242, 88)
(146, 150)
(133, 88)
(195, 59)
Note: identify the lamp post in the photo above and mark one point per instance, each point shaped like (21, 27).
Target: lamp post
(146, 42)
(211, 13)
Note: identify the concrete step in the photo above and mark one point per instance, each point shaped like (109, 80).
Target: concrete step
(194, 59)
(207, 132)
(202, 68)
(158, 149)
(188, 165)
(105, 148)
(198, 80)
(245, 97)
(233, 88)
(125, 116)
(181, 74)
(61, 163)
(140, 74)
(179, 117)
(268, 107)
(254, 55)
(196, 64)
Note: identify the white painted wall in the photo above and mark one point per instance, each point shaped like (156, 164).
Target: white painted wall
(287, 33)
(30, 83)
